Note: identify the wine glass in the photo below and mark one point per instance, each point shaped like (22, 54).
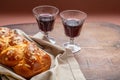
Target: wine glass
(72, 21)
(45, 16)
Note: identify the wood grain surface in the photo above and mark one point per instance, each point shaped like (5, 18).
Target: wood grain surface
(99, 58)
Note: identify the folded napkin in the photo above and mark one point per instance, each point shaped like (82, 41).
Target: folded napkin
(64, 65)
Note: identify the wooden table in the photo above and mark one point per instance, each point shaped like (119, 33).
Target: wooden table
(99, 58)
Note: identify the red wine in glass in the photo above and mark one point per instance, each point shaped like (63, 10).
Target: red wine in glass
(72, 27)
(45, 22)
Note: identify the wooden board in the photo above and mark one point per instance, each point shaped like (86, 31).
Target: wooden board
(99, 58)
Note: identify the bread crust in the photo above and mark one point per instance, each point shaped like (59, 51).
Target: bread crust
(23, 56)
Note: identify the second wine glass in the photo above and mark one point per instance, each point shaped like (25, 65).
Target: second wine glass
(72, 21)
(45, 16)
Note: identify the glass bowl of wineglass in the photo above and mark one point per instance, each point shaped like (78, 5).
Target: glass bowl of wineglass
(45, 16)
(72, 21)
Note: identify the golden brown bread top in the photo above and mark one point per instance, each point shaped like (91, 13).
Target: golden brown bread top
(12, 55)
(5, 32)
(32, 59)
(24, 57)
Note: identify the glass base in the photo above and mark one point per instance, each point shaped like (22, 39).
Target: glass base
(73, 47)
(51, 40)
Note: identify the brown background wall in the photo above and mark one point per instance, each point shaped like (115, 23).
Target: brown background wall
(89, 6)
(20, 11)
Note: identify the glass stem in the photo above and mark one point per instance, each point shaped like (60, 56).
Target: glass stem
(71, 40)
(46, 34)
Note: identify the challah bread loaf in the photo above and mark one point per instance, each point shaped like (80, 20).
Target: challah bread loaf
(24, 57)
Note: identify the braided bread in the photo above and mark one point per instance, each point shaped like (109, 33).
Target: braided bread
(23, 56)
